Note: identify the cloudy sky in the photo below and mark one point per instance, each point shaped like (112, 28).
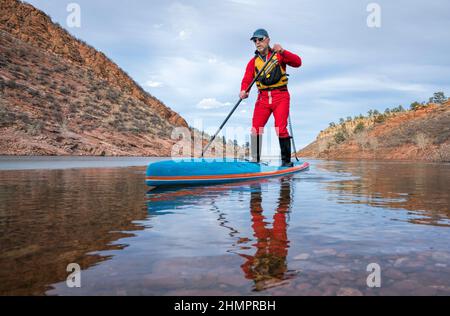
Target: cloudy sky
(192, 54)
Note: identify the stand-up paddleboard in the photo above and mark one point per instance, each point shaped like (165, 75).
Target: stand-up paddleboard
(212, 171)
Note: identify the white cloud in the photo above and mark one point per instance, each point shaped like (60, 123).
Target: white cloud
(191, 78)
(184, 35)
(317, 56)
(184, 20)
(356, 82)
(244, 2)
(153, 84)
(211, 103)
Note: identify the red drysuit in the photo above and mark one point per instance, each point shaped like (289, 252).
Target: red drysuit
(273, 101)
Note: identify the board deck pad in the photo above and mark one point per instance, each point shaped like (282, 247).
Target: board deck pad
(211, 171)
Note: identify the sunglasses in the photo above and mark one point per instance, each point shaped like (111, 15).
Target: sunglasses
(258, 39)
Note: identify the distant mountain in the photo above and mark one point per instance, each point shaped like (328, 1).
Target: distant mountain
(59, 96)
(419, 134)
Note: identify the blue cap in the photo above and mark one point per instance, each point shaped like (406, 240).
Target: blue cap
(259, 33)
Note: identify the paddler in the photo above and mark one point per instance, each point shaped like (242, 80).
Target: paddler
(273, 94)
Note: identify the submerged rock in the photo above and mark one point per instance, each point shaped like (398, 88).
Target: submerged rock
(441, 257)
(400, 262)
(406, 286)
(394, 274)
(348, 291)
(425, 291)
(303, 286)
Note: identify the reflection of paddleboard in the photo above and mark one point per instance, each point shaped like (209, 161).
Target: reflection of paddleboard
(212, 171)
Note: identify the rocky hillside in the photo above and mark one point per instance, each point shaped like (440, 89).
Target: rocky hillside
(60, 96)
(422, 133)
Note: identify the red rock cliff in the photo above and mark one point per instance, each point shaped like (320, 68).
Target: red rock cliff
(61, 96)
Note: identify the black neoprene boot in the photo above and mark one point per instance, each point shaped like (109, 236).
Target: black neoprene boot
(255, 148)
(285, 148)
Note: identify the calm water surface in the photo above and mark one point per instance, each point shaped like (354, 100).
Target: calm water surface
(314, 233)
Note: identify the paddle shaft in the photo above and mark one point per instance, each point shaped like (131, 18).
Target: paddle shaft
(292, 137)
(237, 104)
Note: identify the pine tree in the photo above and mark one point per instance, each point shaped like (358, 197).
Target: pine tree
(438, 98)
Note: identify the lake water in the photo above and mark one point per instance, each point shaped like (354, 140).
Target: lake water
(321, 232)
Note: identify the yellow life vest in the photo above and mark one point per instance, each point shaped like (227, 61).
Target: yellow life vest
(273, 76)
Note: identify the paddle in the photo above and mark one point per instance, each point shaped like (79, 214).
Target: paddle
(292, 137)
(237, 104)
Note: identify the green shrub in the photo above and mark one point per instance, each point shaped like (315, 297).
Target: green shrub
(12, 84)
(50, 98)
(34, 93)
(415, 106)
(34, 128)
(6, 117)
(398, 109)
(359, 128)
(64, 90)
(112, 95)
(380, 118)
(438, 97)
(339, 137)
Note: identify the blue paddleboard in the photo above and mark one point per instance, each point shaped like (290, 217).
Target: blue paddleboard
(212, 171)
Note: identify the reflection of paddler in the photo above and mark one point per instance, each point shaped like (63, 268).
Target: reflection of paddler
(269, 262)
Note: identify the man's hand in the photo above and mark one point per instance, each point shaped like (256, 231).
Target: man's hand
(243, 94)
(278, 49)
